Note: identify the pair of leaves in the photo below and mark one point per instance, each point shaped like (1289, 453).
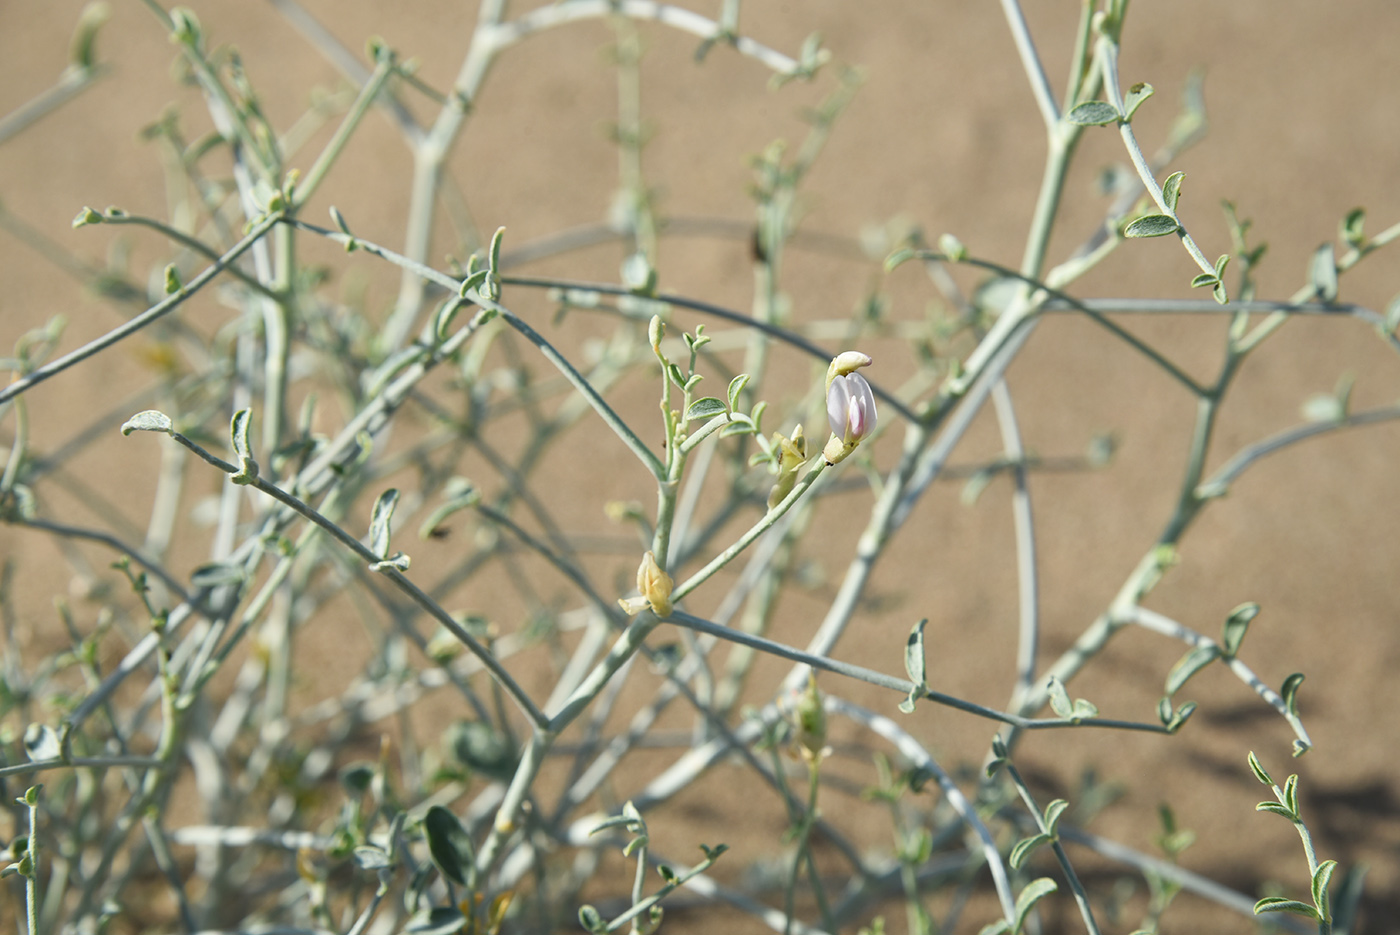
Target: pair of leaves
(1027, 846)
(1077, 710)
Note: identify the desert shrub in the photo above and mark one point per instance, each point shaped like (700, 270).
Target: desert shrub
(441, 580)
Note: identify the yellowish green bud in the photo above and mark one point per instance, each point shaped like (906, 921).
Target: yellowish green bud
(654, 587)
(844, 363)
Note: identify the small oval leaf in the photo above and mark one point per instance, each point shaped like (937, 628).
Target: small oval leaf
(151, 420)
(706, 407)
(1152, 225)
(448, 843)
(1093, 114)
(1171, 189)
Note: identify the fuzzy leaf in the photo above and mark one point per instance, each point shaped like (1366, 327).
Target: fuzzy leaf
(239, 427)
(1277, 809)
(1188, 665)
(1093, 114)
(736, 386)
(1025, 847)
(1260, 773)
(379, 519)
(1171, 189)
(1135, 97)
(1053, 811)
(1323, 273)
(1034, 891)
(1290, 692)
(1236, 625)
(1182, 715)
(1320, 881)
(151, 420)
(914, 663)
(1152, 225)
(705, 407)
(1280, 904)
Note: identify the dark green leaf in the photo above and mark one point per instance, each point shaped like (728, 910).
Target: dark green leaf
(1182, 715)
(449, 844)
(1236, 625)
(706, 407)
(1151, 225)
(1188, 665)
(1277, 809)
(1323, 273)
(1025, 847)
(1290, 692)
(1204, 279)
(1290, 793)
(1280, 904)
(1093, 114)
(591, 921)
(1353, 227)
(1260, 773)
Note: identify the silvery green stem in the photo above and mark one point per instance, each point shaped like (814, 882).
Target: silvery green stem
(1081, 898)
(1030, 62)
(1028, 641)
(164, 307)
(1160, 623)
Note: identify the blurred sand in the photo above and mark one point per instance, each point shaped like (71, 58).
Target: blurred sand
(1304, 102)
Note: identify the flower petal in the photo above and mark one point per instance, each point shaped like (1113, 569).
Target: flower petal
(838, 405)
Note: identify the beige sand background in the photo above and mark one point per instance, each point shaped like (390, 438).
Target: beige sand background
(1304, 102)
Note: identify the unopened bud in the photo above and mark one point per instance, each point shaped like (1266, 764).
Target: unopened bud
(844, 363)
(654, 587)
(811, 722)
(791, 455)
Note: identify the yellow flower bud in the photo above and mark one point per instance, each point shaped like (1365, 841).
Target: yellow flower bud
(844, 363)
(655, 588)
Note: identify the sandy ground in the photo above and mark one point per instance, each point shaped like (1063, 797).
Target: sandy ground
(1303, 102)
